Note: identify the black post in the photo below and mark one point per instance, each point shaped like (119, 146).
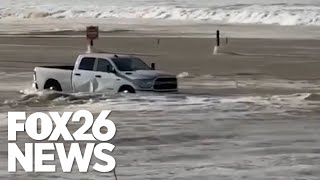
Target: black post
(115, 174)
(218, 38)
(153, 66)
(91, 42)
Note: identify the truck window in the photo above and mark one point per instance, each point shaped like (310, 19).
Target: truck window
(87, 64)
(103, 65)
(130, 64)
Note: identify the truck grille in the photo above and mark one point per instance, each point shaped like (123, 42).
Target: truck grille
(165, 83)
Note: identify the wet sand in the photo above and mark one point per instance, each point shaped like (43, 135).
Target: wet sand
(285, 59)
(249, 112)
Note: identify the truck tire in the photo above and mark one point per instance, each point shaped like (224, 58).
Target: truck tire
(52, 84)
(126, 89)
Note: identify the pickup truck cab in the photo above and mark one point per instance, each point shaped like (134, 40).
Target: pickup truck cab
(100, 73)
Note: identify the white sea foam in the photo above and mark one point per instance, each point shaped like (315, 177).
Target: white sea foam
(253, 12)
(239, 105)
(183, 75)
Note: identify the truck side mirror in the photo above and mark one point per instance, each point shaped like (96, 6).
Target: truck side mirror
(110, 69)
(113, 70)
(153, 66)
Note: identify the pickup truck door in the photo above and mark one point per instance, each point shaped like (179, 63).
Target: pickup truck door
(83, 76)
(105, 79)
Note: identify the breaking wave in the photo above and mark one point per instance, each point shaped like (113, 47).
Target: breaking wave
(164, 102)
(281, 14)
(34, 98)
(313, 97)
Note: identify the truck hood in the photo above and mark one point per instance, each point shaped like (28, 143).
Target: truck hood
(145, 74)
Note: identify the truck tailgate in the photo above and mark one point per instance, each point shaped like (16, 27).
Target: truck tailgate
(63, 76)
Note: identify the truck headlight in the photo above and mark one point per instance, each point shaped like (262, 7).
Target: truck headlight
(144, 83)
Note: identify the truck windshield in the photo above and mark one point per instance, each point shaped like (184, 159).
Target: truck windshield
(130, 64)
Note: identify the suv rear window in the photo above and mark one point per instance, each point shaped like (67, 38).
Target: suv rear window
(87, 64)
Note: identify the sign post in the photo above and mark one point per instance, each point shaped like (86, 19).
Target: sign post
(216, 47)
(92, 34)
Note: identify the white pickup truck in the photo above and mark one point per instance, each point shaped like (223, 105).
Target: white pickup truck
(101, 73)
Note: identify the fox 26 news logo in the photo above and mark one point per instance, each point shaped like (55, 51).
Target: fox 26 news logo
(53, 126)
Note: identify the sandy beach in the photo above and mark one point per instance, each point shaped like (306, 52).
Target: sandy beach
(240, 59)
(279, 58)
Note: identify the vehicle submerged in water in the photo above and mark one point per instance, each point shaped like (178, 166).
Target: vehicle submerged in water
(101, 73)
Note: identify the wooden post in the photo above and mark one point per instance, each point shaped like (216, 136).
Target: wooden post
(89, 46)
(216, 47)
(218, 38)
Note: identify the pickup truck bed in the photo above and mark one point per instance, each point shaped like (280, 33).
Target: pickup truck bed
(58, 74)
(59, 67)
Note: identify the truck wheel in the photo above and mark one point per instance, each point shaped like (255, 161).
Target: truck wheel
(52, 84)
(126, 89)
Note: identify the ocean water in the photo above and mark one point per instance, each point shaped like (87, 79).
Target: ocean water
(186, 136)
(279, 12)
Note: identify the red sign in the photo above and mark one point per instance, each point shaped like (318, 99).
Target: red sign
(92, 32)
